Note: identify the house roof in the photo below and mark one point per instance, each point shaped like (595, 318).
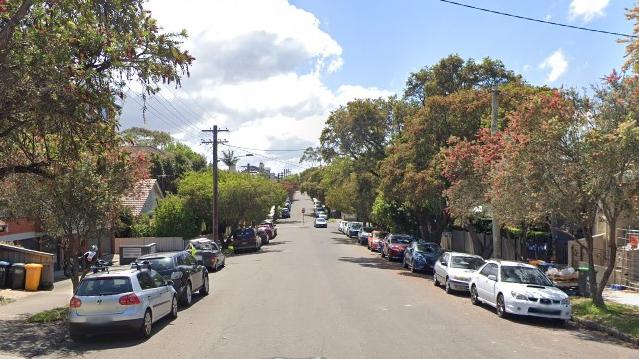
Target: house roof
(138, 195)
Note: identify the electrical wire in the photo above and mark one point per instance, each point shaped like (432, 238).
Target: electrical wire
(265, 157)
(277, 150)
(538, 20)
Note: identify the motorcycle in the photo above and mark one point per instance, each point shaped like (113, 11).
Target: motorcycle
(89, 261)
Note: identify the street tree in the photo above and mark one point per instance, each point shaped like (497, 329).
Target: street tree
(63, 67)
(82, 199)
(173, 218)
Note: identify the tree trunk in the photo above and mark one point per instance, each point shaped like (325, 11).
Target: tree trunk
(612, 253)
(592, 275)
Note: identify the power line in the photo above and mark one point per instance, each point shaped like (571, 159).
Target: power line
(538, 20)
(277, 150)
(266, 157)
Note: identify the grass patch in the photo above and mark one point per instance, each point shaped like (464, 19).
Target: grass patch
(624, 318)
(4, 300)
(48, 316)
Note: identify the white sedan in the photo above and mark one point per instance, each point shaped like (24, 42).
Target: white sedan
(320, 223)
(518, 288)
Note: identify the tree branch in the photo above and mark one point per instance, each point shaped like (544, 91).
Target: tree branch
(37, 168)
(7, 31)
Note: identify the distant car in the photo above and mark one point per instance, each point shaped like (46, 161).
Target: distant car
(285, 213)
(375, 240)
(353, 228)
(272, 226)
(362, 237)
(320, 223)
(208, 253)
(342, 226)
(261, 232)
(455, 270)
(322, 215)
(246, 239)
(180, 267)
(518, 288)
(421, 256)
(394, 245)
(121, 300)
(268, 230)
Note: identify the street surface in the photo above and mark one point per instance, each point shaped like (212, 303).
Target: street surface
(312, 293)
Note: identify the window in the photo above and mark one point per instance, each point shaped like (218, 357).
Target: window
(181, 259)
(104, 286)
(146, 282)
(466, 262)
(214, 246)
(444, 258)
(489, 269)
(158, 280)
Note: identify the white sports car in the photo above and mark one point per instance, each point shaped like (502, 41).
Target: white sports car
(518, 288)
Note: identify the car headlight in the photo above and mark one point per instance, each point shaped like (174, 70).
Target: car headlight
(518, 296)
(565, 301)
(461, 278)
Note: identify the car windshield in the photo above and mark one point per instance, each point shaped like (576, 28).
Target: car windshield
(367, 229)
(320, 220)
(104, 286)
(356, 226)
(379, 235)
(466, 262)
(401, 238)
(159, 264)
(201, 245)
(428, 248)
(524, 275)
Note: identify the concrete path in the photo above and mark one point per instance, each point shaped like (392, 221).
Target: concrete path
(27, 303)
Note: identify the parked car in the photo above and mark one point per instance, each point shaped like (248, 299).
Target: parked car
(272, 226)
(362, 237)
(261, 232)
(285, 213)
(320, 223)
(208, 253)
(375, 240)
(181, 267)
(455, 270)
(342, 226)
(421, 256)
(353, 228)
(246, 239)
(322, 215)
(131, 299)
(520, 289)
(268, 230)
(394, 245)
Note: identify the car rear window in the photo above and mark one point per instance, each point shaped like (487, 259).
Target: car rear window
(104, 286)
(160, 264)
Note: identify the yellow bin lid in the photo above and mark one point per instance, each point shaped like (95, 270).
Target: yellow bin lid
(33, 265)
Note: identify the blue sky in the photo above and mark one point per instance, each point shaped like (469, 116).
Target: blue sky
(271, 71)
(383, 41)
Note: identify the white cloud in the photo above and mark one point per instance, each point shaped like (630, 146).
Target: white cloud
(258, 71)
(587, 9)
(557, 64)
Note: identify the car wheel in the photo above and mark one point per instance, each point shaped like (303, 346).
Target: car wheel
(147, 325)
(501, 306)
(388, 257)
(435, 280)
(412, 267)
(404, 265)
(205, 286)
(187, 296)
(174, 308)
(474, 298)
(447, 287)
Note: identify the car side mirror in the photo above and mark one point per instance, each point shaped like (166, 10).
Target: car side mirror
(444, 263)
(492, 277)
(168, 283)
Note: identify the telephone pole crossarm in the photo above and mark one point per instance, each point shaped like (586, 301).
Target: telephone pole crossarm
(215, 198)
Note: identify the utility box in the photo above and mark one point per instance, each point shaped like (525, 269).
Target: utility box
(129, 252)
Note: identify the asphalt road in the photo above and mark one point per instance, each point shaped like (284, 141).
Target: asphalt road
(312, 293)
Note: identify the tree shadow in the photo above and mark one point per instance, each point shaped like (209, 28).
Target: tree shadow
(277, 243)
(264, 250)
(373, 262)
(345, 240)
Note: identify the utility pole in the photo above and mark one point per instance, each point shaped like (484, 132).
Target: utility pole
(215, 199)
(493, 131)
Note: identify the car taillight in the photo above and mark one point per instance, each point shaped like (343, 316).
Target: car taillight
(129, 299)
(75, 302)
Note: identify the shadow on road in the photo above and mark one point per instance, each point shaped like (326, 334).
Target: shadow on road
(277, 243)
(372, 262)
(345, 240)
(264, 250)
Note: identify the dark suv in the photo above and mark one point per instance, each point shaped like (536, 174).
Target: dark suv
(246, 238)
(181, 267)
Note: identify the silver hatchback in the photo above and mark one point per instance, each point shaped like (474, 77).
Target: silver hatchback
(131, 300)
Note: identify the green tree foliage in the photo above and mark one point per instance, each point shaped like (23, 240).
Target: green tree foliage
(348, 191)
(392, 216)
(172, 218)
(173, 163)
(310, 183)
(139, 136)
(244, 198)
(229, 158)
(63, 66)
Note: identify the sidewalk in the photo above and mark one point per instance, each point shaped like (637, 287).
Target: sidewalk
(33, 302)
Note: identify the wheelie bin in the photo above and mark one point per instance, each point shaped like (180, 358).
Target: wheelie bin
(4, 269)
(34, 271)
(16, 273)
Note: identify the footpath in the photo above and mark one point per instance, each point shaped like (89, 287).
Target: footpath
(23, 304)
